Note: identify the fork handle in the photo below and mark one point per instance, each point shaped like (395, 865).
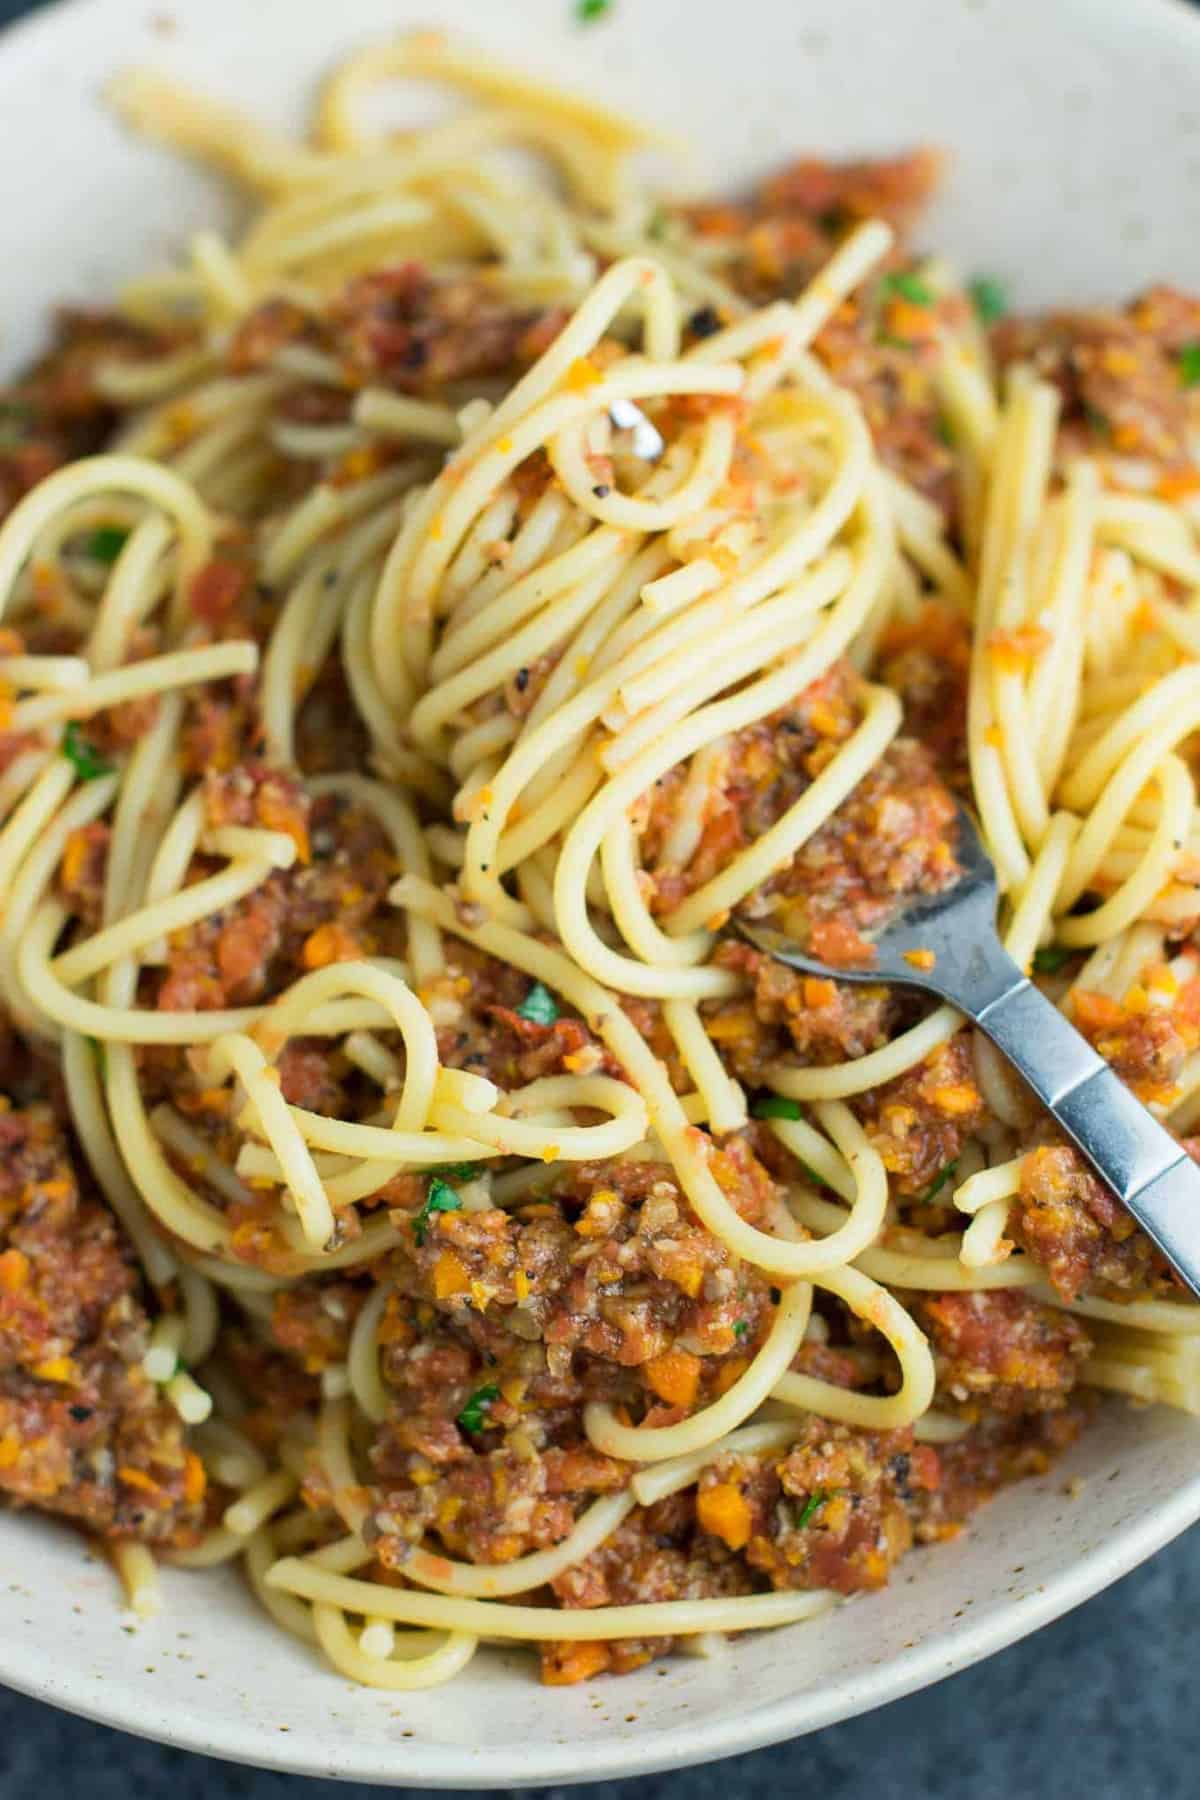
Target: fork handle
(1152, 1176)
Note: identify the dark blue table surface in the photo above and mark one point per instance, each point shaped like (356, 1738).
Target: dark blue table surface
(1101, 1706)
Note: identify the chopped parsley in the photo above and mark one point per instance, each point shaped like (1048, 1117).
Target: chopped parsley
(989, 299)
(740, 1328)
(440, 1198)
(812, 1506)
(588, 11)
(83, 757)
(1189, 366)
(939, 1181)
(817, 1180)
(1099, 422)
(538, 1006)
(454, 1172)
(473, 1415)
(659, 224)
(775, 1106)
(944, 431)
(1050, 960)
(106, 543)
(910, 287)
(778, 1106)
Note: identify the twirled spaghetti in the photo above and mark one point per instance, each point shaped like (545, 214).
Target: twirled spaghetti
(433, 621)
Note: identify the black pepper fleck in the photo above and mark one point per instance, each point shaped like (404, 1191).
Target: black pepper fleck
(705, 322)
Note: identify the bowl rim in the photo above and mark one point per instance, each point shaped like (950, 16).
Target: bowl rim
(449, 1766)
(679, 1747)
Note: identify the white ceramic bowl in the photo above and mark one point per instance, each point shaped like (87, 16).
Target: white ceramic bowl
(1076, 131)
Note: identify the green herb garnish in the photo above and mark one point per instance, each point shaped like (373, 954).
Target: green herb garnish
(1099, 422)
(989, 299)
(939, 1181)
(659, 224)
(106, 543)
(741, 1327)
(775, 1106)
(440, 1198)
(538, 1006)
(1189, 366)
(1050, 960)
(812, 1505)
(83, 757)
(910, 287)
(588, 11)
(778, 1106)
(471, 1418)
(454, 1171)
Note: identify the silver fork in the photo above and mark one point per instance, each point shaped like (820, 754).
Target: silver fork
(1130, 1151)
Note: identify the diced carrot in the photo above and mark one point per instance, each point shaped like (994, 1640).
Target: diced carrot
(330, 943)
(449, 1276)
(1177, 484)
(14, 1270)
(727, 1027)
(137, 1478)
(1012, 650)
(826, 720)
(686, 1271)
(194, 1478)
(956, 1098)
(1187, 1006)
(674, 1376)
(280, 811)
(56, 1368)
(1095, 1012)
(818, 992)
(565, 1664)
(582, 374)
(725, 1513)
(74, 859)
(731, 1370)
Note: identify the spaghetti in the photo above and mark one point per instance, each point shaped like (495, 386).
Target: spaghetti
(446, 609)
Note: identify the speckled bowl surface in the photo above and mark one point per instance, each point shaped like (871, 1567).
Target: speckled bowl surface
(1075, 132)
